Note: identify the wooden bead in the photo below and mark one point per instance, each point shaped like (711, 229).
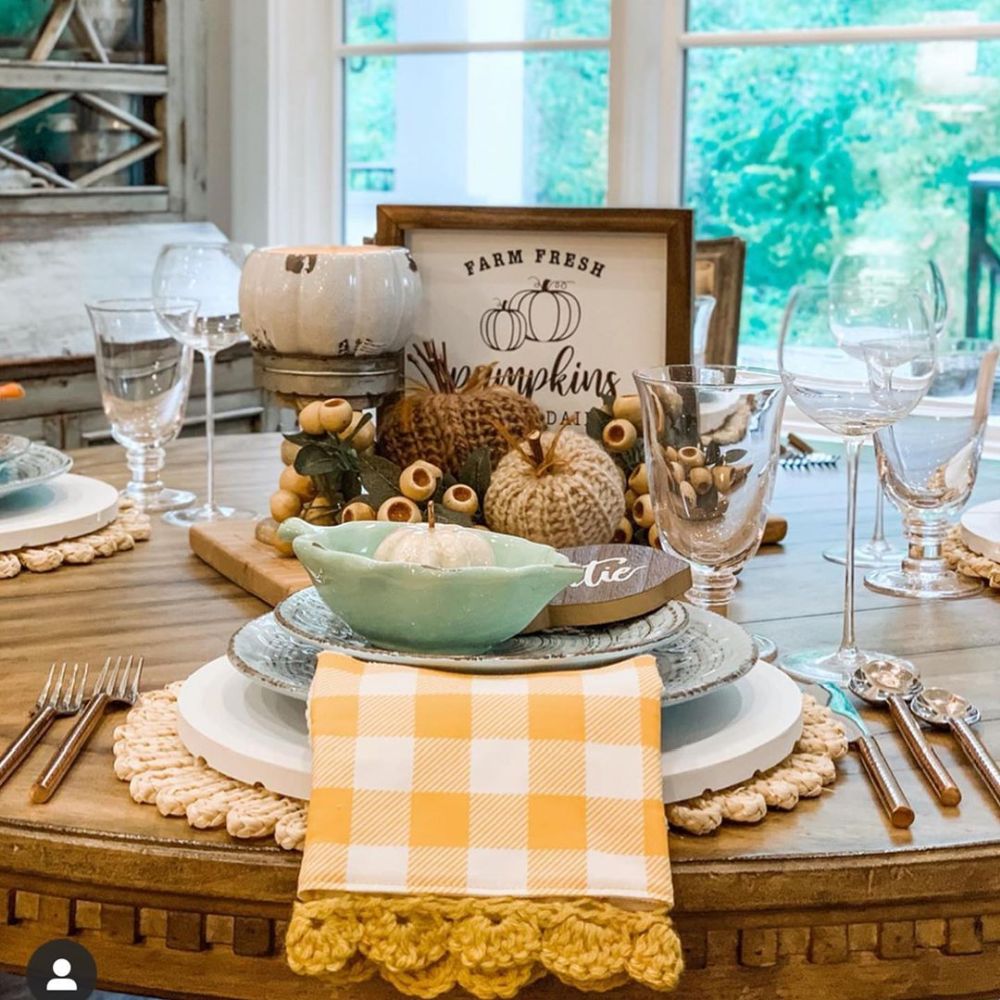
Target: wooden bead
(364, 438)
(638, 482)
(461, 498)
(289, 451)
(653, 537)
(335, 414)
(701, 479)
(691, 457)
(285, 504)
(320, 511)
(400, 509)
(678, 472)
(295, 482)
(670, 453)
(619, 435)
(434, 470)
(266, 531)
(630, 498)
(623, 533)
(309, 418)
(688, 495)
(357, 511)
(722, 477)
(417, 483)
(628, 408)
(642, 511)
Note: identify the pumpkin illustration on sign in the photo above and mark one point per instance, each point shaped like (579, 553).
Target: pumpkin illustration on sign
(503, 328)
(552, 312)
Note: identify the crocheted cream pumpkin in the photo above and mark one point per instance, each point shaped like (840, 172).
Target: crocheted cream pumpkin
(558, 489)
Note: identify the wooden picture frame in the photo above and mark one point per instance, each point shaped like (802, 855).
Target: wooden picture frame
(719, 267)
(449, 250)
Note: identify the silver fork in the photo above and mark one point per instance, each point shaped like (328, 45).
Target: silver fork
(53, 702)
(110, 690)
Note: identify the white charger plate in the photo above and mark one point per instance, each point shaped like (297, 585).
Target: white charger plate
(261, 737)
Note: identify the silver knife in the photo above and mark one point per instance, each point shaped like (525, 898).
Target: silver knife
(892, 797)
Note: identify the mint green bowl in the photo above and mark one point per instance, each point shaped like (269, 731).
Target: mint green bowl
(409, 607)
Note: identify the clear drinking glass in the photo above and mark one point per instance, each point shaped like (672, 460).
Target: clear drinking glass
(145, 376)
(911, 270)
(928, 464)
(209, 273)
(855, 364)
(712, 446)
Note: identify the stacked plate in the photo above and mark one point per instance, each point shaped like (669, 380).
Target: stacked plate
(23, 464)
(696, 651)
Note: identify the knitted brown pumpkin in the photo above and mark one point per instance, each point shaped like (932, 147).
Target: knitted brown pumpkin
(558, 489)
(441, 423)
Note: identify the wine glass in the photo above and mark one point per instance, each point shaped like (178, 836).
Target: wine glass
(854, 362)
(928, 463)
(209, 273)
(144, 374)
(889, 266)
(712, 444)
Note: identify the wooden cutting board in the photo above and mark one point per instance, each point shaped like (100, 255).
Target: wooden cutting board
(230, 548)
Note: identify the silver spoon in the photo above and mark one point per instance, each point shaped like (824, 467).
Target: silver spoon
(951, 711)
(884, 682)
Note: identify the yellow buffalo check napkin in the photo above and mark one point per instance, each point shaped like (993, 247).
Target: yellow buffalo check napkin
(484, 831)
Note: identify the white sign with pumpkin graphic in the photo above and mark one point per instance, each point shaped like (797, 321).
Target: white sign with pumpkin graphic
(564, 316)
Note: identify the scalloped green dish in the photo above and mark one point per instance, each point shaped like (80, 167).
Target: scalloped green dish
(409, 607)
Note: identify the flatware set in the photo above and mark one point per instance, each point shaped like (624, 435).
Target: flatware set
(63, 696)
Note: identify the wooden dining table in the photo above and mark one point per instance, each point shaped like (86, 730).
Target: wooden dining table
(825, 901)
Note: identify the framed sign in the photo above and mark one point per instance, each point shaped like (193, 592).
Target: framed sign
(564, 302)
(719, 268)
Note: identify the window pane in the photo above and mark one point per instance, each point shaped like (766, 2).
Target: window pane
(805, 151)
(503, 128)
(724, 15)
(371, 21)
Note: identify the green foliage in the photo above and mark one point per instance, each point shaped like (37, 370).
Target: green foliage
(802, 151)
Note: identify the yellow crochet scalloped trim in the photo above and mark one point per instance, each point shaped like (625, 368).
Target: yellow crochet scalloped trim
(427, 945)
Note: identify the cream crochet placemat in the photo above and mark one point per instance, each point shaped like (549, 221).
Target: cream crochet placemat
(149, 755)
(129, 527)
(960, 557)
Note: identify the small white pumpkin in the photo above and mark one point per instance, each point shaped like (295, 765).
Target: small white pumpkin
(441, 546)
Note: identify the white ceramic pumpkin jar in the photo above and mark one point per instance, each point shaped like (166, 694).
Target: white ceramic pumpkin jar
(329, 301)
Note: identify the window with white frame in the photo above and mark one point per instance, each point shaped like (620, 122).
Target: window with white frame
(804, 128)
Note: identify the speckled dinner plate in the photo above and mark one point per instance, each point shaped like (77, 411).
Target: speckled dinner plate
(710, 652)
(37, 465)
(12, 446)
(309, 618)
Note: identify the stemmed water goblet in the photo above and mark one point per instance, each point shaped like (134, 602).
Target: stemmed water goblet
(855, 364)
(888, 266)
(712, 443)
(209, 273)
(928, 464)
(144, 373)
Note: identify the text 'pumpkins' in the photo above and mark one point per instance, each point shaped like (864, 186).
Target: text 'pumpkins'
(444, 424)
(560, 489)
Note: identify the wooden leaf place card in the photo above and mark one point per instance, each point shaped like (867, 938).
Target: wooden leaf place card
(620, 582)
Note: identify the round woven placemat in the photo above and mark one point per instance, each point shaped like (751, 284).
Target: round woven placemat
(129, 527)
(150, 756)
(961, 558)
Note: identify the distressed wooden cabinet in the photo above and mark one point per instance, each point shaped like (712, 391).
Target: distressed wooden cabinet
(102, 162)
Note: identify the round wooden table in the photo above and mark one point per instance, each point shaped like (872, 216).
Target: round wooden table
(826, 901)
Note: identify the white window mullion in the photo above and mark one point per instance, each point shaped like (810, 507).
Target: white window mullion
(646, 113)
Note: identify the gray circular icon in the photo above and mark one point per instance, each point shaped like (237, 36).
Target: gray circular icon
(61, 969)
